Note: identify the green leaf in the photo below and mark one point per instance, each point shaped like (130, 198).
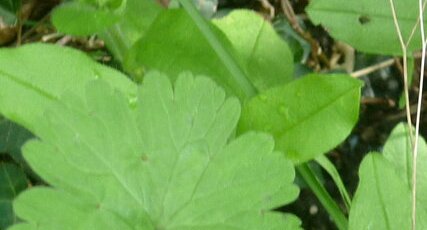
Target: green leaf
(163, 160)
(382, 200)
(170, 50)
(356, 21)
(12, 182)
(300, 48)
(79, 18)
(307, 117)
(41, 73)
(329, 167)
(383, 197)
(10, 5)
(119, 23)
(8, 11)
(134, 22)
(12, 137)
(267, 59)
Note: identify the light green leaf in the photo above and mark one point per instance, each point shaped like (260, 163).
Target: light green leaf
(383, 197)
(41, 73)
(267, 59)
(368, 25)
(382, 200)
(163, 160)
(12, 182)
(307, 117)
(79, 18)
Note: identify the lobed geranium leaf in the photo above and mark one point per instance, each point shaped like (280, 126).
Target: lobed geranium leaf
(165, 159)
(355, 21)
(383, 197)
(307, 117)
(33, 76)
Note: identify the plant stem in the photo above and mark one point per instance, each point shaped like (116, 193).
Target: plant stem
(325, 199)
(239, 77)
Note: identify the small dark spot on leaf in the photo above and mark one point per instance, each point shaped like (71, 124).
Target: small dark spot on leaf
(98, 206)
(363, 19)
(144, 157)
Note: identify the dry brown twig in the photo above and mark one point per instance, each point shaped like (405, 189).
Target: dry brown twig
(373, 68)
(414, 142)
(316, 50)
(405, 71)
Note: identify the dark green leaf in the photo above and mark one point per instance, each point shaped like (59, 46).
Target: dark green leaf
(12, 137)
(12, 182)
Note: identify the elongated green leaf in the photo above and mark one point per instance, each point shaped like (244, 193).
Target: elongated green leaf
(383, 197)
(327, 165)
(307, 117)
(368, 25)
(12, 182)
(41, 73)
(79, 18)
(252, 42)
(163, 160)
(237, 76)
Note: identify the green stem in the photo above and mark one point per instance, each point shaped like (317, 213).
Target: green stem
(230, 63)
(325, 199)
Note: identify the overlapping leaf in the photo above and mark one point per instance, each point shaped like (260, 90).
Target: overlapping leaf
(250, 40)
(157, 161)
(383, 197)
(267, 59)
